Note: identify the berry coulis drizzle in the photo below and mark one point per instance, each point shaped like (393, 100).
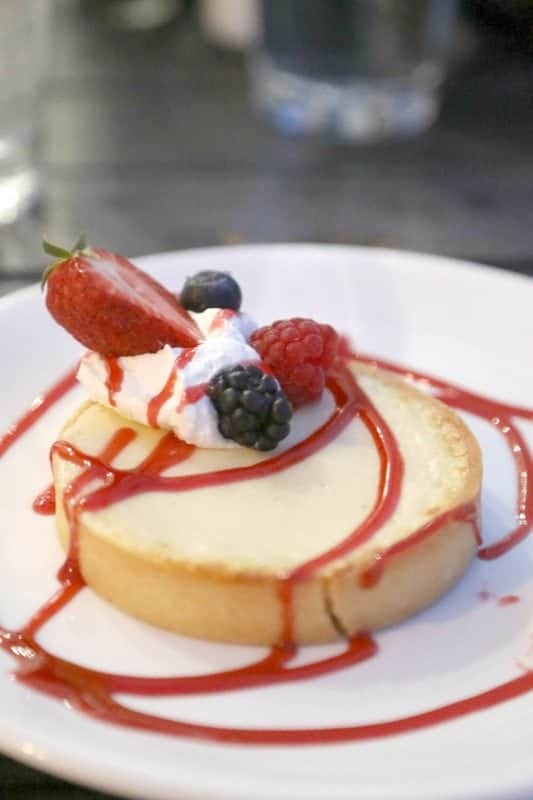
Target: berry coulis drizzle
(92, 691)
(115, 376)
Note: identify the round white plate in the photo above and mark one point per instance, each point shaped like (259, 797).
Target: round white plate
(467, 323)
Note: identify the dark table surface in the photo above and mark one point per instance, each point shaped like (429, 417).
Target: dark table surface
(150, 144)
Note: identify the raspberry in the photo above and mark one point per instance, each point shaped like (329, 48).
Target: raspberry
(298, 351)
(251, 408)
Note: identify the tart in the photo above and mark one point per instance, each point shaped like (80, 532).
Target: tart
(223, 560)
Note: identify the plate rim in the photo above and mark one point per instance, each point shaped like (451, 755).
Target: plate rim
(460, 264)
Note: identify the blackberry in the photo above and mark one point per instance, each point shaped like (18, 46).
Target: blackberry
(252, 410)
(210, 289)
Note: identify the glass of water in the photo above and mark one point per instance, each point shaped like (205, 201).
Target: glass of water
(22, 50)
(355, 69)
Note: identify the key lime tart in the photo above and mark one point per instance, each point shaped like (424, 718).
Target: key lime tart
(243, 484)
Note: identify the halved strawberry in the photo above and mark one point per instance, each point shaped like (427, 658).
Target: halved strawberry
(111, 306)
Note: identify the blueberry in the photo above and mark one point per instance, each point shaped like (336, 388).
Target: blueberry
(210, 289)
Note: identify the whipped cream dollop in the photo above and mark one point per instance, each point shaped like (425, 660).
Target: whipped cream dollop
(167, 389)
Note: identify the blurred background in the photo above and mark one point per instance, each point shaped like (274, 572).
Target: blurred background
(160, 124)
(154, 125)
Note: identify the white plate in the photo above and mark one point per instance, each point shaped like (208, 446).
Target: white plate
(470, 324)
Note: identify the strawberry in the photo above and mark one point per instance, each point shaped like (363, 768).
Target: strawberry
(111, 306)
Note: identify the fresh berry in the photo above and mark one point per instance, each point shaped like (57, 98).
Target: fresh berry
(298, 351)
(252, 410)
(210, 289)
(111, 306)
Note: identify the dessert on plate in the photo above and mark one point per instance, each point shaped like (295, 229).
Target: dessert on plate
(251, 485)
(244, 484)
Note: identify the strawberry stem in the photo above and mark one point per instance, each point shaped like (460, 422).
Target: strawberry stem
(56, 252)
(60, 254)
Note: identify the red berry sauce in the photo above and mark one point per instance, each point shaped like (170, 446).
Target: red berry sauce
(92, 691)
(508, 600)
(115, 377)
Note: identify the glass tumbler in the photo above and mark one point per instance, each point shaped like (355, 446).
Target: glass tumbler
(355, 69)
